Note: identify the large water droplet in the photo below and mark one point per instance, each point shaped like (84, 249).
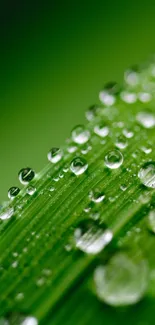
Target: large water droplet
(13, 192)
(18, 319)
(80, 135)
(78, 165)
(55, 155)
(90, 238)
(101, 129)
(146, 119)
(147, 174)
(108, 95)
(123, 281)
(113, 159)
(26, 175)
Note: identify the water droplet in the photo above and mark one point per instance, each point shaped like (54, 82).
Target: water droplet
(71, 148)
(18, 319)
(6, 213)
(123, 281)
(96, 196)
(146, 150)
(128, 133)
(14, 264)
(113, 159)
(47, 272)
(68, 248)
(31, 190)
(90, 238)
(65, 169)
(26, 175)
(61, 175)
(85, 149)
(13, 192)
(146, 119)
(91, 113)
(52, 189)
(101, 129)
(56, 179)
(123, 187)
(108, 95)
(40, 282)
(78, 165)
(55, 155)
(121, 142)
(151, 220)
(80, 135)
(131, 76)
(19, 296)
(145, 97)
(95, 215)
(128, 97)
(147, 174)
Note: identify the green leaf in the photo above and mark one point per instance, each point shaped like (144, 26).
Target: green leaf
(77, 242)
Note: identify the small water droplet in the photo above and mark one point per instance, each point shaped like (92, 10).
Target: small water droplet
(40, 282)
(145, 97)
(85, 149)
(78, 165)
(128, 97)
(55, 155)
(31, 190)
(68, 248)
(26, 175)
(19, 296)
(95, 215)
(46, 272)
(121, 142)
(52, 189)
(56, 179)
(108, 95)
(151, 220)
(96, 196)
(146, 119)
(71, 148)
(146, 150)
(128, 133)
(113, 159)
(147, 174)
(91, 113)
(14, 264)
(90, 238)
(123, 281)
(13, 192)
(131, 76)
(123, 187)
(65, 169)
(101, 129)
(80, 134)
(6, 213)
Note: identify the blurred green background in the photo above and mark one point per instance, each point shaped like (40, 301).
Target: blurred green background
(55, 56)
